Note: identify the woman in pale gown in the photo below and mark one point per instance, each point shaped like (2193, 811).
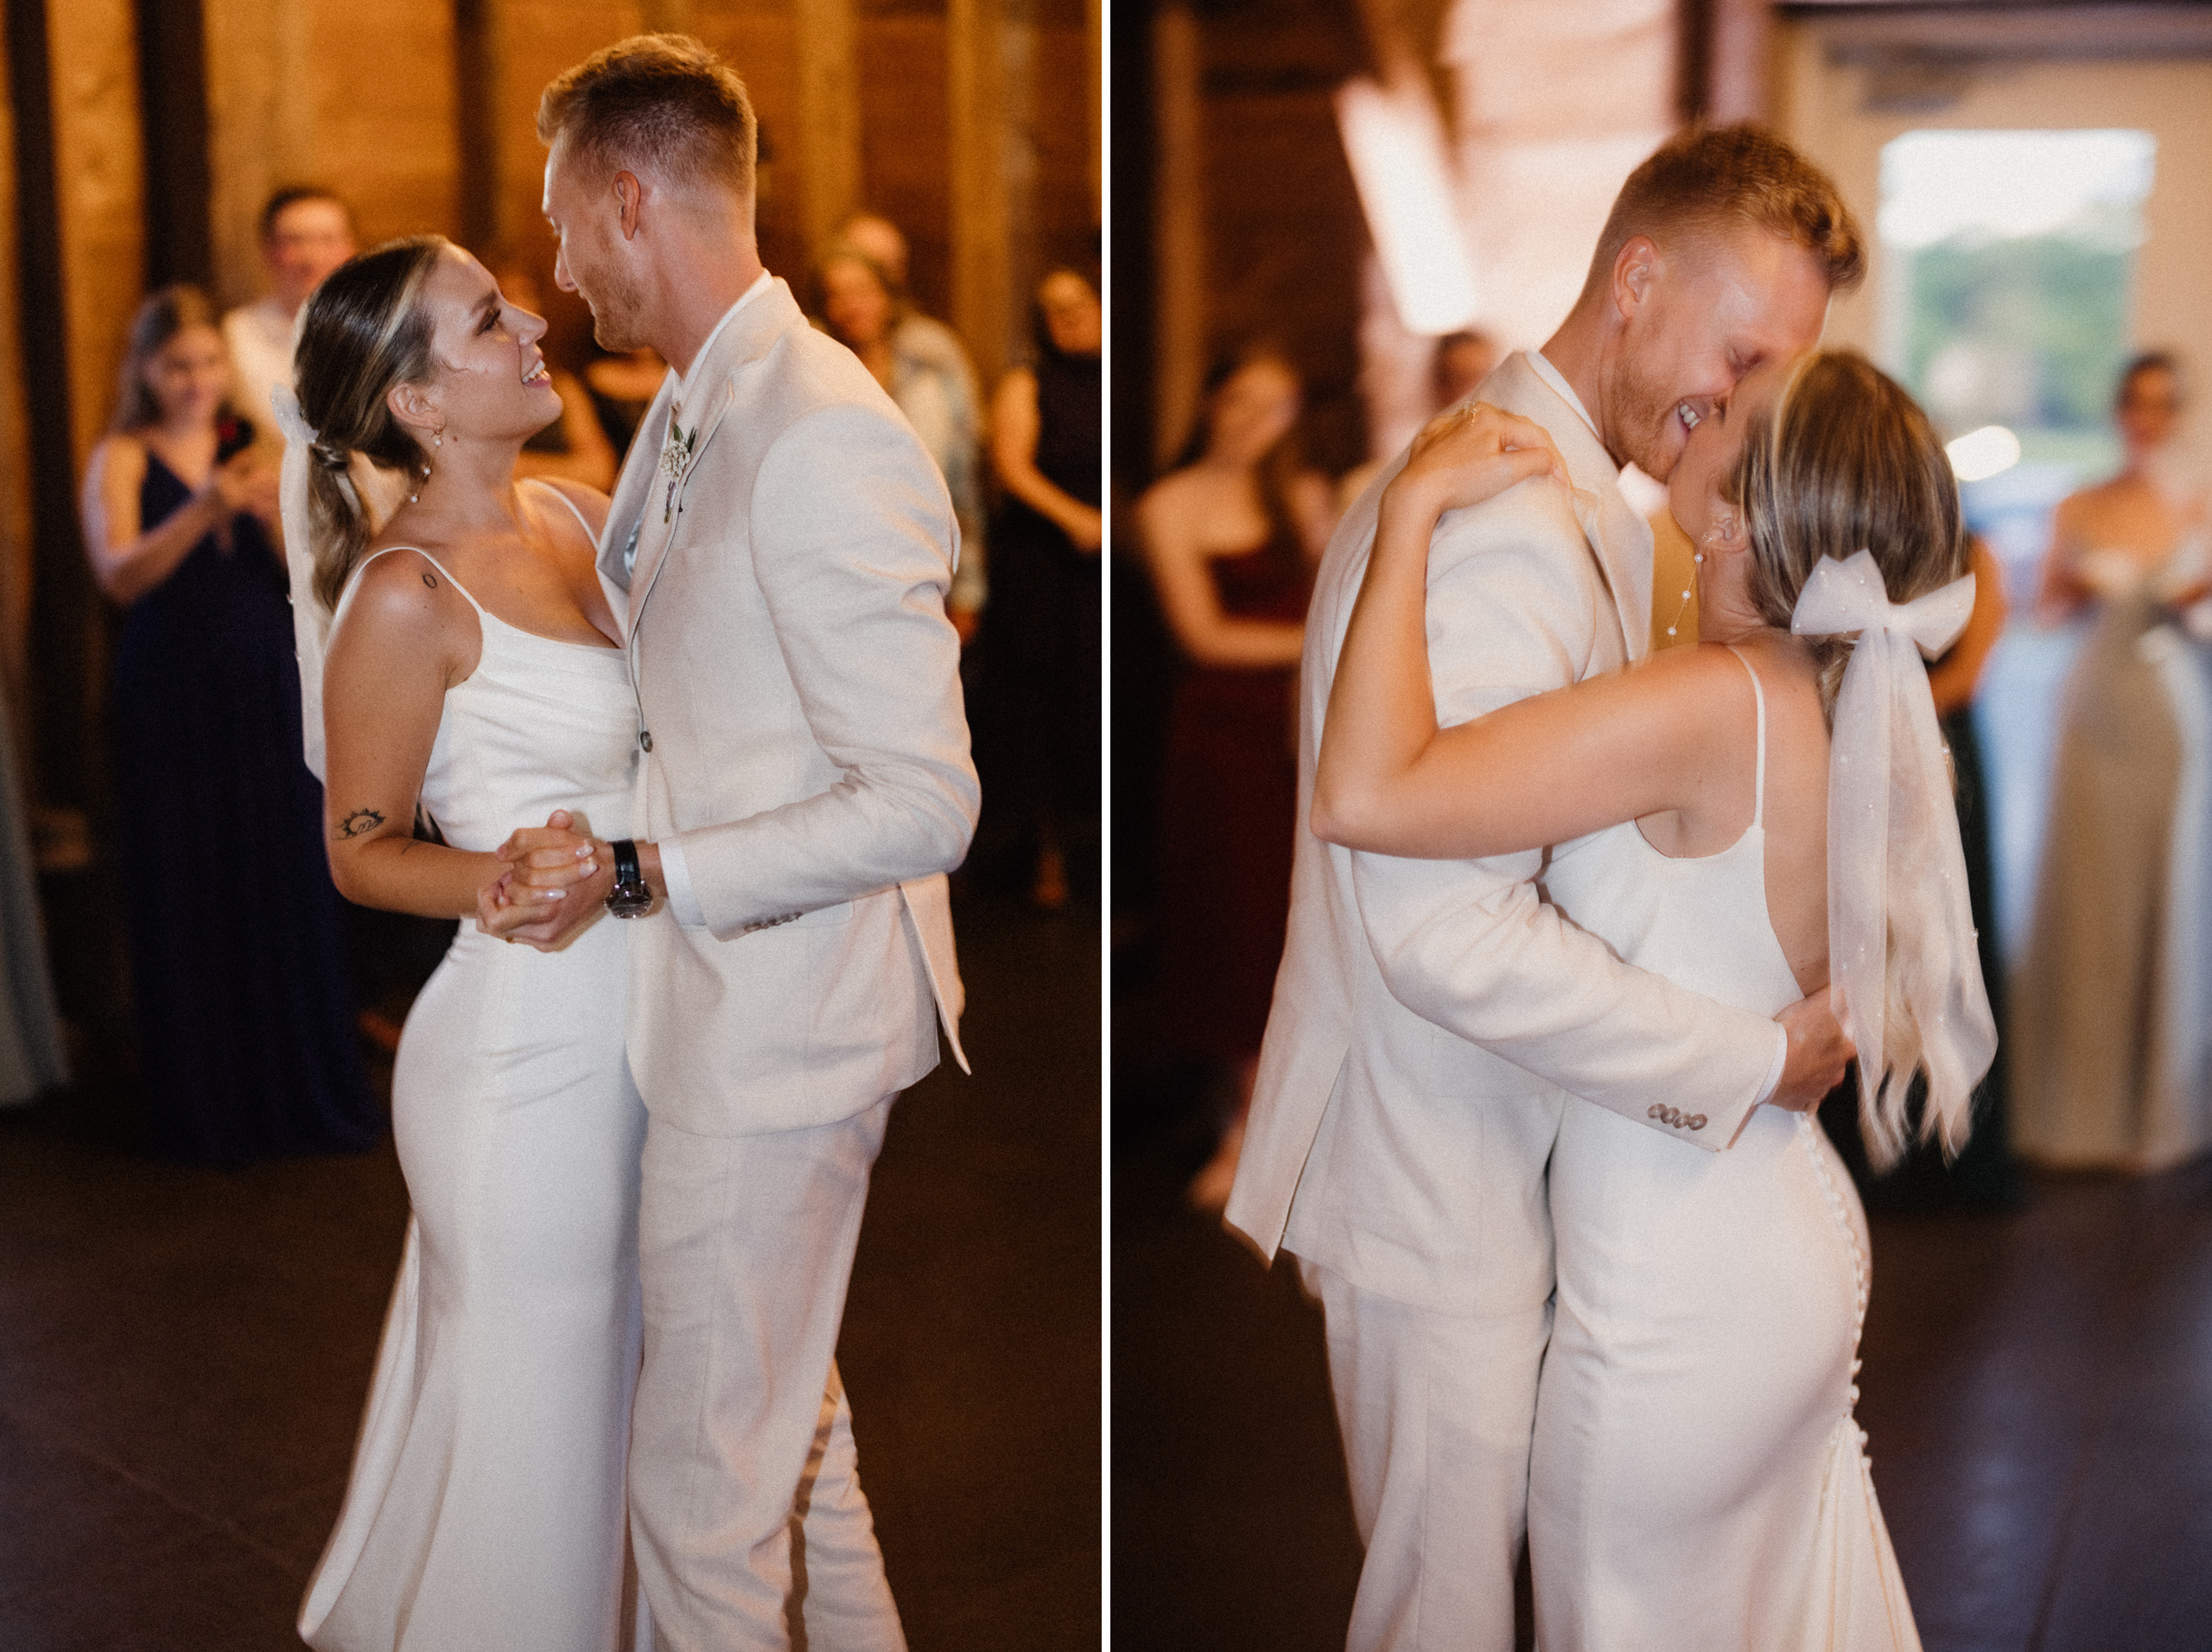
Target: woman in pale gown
(1697, 1479)
(473, 682)
(2111, 1010)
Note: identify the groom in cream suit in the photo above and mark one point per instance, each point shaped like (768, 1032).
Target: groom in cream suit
(1431, 1017)
(781, 544)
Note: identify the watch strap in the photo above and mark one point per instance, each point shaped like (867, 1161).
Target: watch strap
(626, 870)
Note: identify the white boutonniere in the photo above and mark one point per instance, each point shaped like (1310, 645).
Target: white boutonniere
(675, 460)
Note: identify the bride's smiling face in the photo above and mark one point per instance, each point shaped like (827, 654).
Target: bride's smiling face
(489, 379)
(1695, 492)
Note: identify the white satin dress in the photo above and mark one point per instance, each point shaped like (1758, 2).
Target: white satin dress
(486, 1510)
(1697, 1482)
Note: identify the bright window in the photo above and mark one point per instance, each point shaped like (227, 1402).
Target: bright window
(2012, 263)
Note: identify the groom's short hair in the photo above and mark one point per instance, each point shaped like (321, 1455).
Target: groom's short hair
(662, 103)
(1719, 178)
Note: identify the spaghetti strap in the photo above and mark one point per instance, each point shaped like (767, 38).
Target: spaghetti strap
(353, 579)
(571, 503)
(1758, 780)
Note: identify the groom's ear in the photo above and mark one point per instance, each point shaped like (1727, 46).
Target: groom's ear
(1634, 267)
(629, 201)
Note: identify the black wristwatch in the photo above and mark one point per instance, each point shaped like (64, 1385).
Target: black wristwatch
(629, 897)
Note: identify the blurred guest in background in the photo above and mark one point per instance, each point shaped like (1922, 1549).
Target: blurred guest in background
(1232, 537)
(237, 951)
(1042, 633)
(1462, 360)
(621, 389)
(2109, 1040)
(306, 232)
(574, 447)
(920, 336)
(31, 1058)
(860, 306)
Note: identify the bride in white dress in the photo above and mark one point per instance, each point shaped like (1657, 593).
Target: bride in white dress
(1697, 1479)
(473, 676)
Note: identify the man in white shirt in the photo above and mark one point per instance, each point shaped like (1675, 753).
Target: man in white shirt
(306, 232)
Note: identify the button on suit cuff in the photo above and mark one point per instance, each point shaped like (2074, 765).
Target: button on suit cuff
(684, 902)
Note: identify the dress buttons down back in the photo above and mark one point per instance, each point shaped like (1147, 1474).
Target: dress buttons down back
(646, 738)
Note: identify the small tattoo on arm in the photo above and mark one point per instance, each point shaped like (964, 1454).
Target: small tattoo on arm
(430, 580)
(360, 821)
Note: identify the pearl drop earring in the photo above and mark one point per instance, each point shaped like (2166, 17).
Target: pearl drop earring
(417, 493)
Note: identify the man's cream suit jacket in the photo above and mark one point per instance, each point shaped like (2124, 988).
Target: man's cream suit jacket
(801, 734)
(1430, 1017)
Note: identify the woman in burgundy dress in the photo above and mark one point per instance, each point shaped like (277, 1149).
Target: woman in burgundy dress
(1232, 536)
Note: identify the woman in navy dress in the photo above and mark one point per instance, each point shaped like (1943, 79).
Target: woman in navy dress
(1041, 630)
(246, 1014)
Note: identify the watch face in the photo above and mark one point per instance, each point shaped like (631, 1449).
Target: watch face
(630, 899)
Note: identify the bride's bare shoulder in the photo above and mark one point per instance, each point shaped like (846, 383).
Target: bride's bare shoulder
(397, 588)
(1694, 686)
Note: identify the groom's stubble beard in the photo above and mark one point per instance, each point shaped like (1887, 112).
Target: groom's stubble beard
(617, 301)
(1641, 409)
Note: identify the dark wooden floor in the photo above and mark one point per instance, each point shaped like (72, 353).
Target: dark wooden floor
(184, 1354)
(2038, 1391)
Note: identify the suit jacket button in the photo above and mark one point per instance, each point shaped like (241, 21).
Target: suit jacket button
(646, 738)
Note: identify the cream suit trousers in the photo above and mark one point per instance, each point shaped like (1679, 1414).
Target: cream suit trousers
(1436, 1412)
(751, 1531)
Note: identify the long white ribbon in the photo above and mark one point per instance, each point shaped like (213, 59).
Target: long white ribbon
(310, 624)
(1895, 863)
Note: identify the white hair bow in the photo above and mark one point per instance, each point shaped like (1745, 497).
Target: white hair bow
(1900, 924)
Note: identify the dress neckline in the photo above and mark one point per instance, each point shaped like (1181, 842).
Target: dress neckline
(613, 650)
(483, 613)
(154, 457)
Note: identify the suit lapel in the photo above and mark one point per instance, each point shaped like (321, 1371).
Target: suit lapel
(1623, 544)
(1619, 539)
(749, 335)
(664, 499)
(626, 511)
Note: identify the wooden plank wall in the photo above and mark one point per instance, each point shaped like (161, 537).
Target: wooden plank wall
(1236, 216)
(15, 543)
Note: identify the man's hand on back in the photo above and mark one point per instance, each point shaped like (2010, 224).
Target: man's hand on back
(1818, 1050)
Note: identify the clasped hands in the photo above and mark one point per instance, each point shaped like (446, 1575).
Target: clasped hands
(555, 878)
